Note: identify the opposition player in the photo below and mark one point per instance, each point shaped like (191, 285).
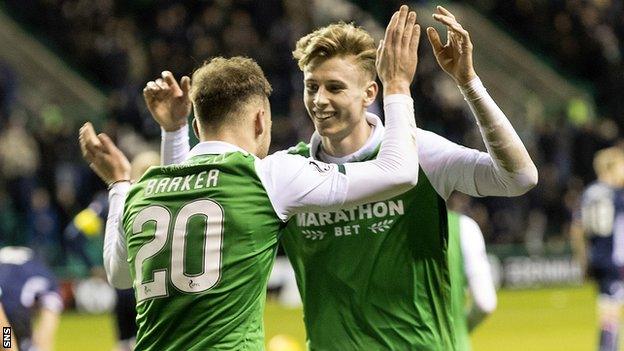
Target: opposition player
(201, 236)
(89, 222)
(469, 270)
(29, 289)
(376, 276)
(600, 223)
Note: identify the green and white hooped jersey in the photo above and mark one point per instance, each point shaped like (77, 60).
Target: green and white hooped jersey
(201, 240)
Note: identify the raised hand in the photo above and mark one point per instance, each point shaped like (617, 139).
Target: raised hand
(455, 57)
(168, 102)
(397, 54)
(104, 158)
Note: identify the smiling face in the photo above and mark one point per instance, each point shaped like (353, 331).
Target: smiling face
(336, 95)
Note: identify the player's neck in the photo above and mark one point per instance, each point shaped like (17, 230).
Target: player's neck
(340, 146)
(245, 143)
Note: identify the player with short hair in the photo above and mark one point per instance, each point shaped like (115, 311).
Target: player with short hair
(469, 272)
(376, 276)
(600, 222)
(201, 236)
(29, 287)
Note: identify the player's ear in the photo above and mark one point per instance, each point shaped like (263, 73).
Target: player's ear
(196, 128)
(371, 93)
(260, 123)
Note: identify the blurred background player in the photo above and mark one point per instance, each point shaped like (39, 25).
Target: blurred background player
(90, 222)
(600, 223)
(470, 273)
(29, 289)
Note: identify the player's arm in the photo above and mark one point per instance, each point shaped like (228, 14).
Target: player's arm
(478, 272)
(50, 309)
(4, 322)
(297, 184)
(170, 106)
(45, 331)
(509, 171)
(578, 243)
(112, 166)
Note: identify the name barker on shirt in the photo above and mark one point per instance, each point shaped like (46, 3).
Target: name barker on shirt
(377, 217)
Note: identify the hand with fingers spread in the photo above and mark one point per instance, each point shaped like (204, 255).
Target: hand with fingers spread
(455, 57)
(168, 101)
(397, 54)
(104, 158)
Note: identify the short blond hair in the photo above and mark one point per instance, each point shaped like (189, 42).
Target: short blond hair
(221, 87)
(606, 160)
(338, 39)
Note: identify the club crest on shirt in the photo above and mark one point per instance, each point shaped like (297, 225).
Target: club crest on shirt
(321, 168)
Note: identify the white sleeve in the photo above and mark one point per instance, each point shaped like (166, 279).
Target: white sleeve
(450, 167)
(174, 146)
(297, 184)
(115, 252)
(476, 265)
(510, 165)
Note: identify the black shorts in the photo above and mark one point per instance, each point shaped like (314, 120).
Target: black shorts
(125, 314)
(610, 281)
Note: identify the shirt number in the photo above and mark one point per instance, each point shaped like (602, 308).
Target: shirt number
(213, 238)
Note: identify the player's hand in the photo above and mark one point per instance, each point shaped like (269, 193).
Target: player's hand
(397, 54)
(455, 57)
(104, 158)
(168, 101)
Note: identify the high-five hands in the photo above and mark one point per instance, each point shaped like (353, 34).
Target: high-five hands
(168, 101)
(397, 54)
(455, 57)
(104, 158)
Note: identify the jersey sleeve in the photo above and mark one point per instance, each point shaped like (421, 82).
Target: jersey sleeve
(50, 299)
(115, 252)
(476, 265)
(505, 170)
(509, 170)
(174, 146)
(41, 287)
(297, 184)
(450, 166)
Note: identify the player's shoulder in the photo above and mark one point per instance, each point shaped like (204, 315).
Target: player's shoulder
(282, 160)
(302, 149)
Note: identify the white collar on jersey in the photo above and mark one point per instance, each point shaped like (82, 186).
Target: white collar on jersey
(364, 152)
(214, 147)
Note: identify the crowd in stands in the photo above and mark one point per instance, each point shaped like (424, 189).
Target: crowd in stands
(584, 40)
(120, 45)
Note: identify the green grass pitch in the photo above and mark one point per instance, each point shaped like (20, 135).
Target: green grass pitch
(547, 319)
